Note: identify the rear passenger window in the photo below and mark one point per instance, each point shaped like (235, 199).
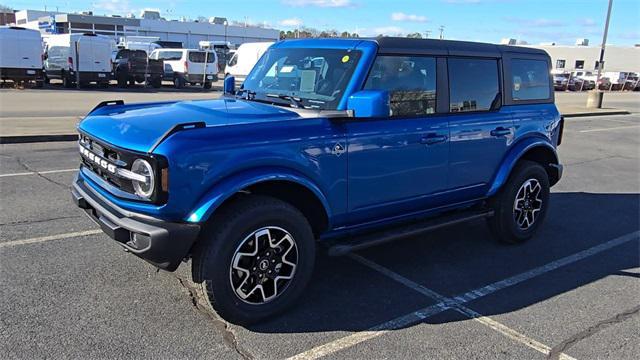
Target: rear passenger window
(410, 81)
(530, 80)
(199, 57)
(473, 84)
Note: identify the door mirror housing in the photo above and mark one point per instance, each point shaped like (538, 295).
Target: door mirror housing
(229, 87)
(369, 104)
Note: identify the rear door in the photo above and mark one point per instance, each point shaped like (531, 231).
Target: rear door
(85, 53)
(102, 55)
(481, 129)
(29, 50)
(9, 40)
(196, 62)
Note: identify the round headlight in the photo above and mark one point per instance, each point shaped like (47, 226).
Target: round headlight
(142, 167)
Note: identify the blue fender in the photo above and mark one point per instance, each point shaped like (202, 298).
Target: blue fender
(512, 157)
(230, 185)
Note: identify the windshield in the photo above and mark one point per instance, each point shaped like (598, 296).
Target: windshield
(309, 78)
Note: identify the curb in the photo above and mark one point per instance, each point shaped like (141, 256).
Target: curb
(23, 139)
(599, 113)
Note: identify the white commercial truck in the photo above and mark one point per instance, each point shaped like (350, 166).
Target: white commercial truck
(244, 59)
(78, 57)
(20, 54)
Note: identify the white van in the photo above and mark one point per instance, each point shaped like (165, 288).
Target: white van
(20, 54)
(184, 66)
(243, 60)
(91, 63)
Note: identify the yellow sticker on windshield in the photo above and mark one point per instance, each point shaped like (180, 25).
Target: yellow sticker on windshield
(345, 58)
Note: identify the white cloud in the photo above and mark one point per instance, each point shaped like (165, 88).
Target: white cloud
(587, 22)
(113, 6)
(293, 22)
(387, 30)
(400, 16)
(319, 3)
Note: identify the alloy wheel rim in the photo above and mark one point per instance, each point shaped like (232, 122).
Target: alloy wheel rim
(527, 204)
(263, 265)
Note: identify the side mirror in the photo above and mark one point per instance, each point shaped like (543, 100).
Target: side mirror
(369, 104)
(229, 86)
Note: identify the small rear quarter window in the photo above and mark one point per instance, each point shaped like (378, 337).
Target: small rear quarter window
(530, 80)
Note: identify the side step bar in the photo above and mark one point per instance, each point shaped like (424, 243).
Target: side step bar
(360, 242)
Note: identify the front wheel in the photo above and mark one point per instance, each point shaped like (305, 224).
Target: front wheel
(255, 259)
(521, 205)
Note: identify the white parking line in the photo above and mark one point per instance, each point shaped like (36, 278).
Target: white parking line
(611, 128)
(457, 305)
(39, 172)
(49, 238)
(457, 301)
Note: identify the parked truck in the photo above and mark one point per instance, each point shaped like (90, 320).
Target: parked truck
(131, 66)
(78, 57)
(20, 55)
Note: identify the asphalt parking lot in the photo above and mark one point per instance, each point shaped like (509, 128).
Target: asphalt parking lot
(67, 291)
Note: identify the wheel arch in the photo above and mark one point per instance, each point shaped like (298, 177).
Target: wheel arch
(532, 149)
(284, 184)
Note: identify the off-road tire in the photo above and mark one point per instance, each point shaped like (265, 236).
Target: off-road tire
(220, 240)
(503, 224)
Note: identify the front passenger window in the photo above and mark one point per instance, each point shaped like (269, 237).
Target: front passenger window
(410, 81)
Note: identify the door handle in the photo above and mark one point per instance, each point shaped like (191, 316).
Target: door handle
(500, 131)
(433, 138)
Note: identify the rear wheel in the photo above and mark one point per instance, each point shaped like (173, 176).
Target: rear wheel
(67, 81)
(521, 205)
(178, 82)
(255, 259)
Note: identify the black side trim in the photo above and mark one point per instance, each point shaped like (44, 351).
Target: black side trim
(175, 129)
(107, 103)
(339, 248)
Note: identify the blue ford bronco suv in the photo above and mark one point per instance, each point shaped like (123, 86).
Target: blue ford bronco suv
(343, 142)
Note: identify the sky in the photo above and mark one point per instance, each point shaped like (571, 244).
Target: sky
(533, 21)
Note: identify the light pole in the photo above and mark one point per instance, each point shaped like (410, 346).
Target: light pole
(226, 48)
(594, 100)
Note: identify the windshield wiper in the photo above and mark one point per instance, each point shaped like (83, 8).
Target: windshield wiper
(248, 94)
(295, 102)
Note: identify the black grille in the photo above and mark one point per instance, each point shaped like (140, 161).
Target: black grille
(117, 157)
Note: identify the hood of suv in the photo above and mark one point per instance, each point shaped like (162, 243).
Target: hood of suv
(139, 126)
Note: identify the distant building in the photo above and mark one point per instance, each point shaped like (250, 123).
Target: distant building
(569, 58)
(189, 33)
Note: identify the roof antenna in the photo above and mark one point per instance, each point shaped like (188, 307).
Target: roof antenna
(441, 28)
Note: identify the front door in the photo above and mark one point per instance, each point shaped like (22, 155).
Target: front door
(396, 165)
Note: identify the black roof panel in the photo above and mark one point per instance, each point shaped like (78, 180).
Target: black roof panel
(398, 45)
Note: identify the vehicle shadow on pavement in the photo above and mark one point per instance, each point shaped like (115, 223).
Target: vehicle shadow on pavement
(347, 296)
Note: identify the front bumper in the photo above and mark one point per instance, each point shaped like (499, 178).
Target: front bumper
(163, 244)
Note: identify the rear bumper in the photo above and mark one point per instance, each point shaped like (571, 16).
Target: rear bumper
(163, 244)
(20, 74)
(198, 78)
(86, 76)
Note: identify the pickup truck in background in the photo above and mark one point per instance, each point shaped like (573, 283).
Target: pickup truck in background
(131, 66)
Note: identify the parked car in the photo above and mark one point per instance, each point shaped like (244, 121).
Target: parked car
(20, 55)
(131, 66)
(83, 57)
(349, 142)
(632, 82)
(561, 81)
(604, 83)
(187, 66)
(244, 58)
